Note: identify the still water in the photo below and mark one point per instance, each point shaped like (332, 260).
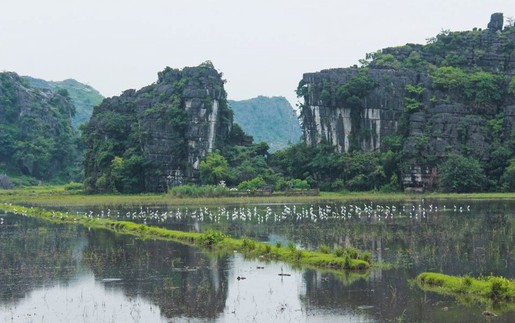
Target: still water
(65, 273)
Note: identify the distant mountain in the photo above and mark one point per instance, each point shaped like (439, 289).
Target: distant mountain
(268, 119)
(83, 96)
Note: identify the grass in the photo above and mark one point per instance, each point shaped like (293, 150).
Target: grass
(212, 240)
(63, 196)
(498, 292)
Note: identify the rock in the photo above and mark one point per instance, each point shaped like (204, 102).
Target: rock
(167, 127)
(496, 21)
(36, 135)
(444, 122)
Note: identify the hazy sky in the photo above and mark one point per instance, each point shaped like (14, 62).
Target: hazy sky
(262, 47)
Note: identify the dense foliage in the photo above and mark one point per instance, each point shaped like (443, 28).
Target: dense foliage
(83, 97)
(37, 141)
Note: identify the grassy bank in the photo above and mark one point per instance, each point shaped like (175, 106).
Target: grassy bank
(59, 196)
(216, 241)
(499, 292)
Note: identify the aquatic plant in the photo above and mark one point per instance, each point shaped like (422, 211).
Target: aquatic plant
(487, 289)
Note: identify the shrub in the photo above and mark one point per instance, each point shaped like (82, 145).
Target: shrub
(74, 187)
(211, 238)
(291, 246)
(249, 244)
(499, 287)
(339, 252)
(5, 182)
(268, 249)
(298, 254)
(252, 184)
(278, 244)
(199, 191)
(461, 175)
(324, 248)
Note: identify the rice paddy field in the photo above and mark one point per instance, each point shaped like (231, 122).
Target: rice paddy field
(53, 271)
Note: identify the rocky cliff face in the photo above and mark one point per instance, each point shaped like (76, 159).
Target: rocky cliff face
(36, 136)
(158, 134)
(449, 96)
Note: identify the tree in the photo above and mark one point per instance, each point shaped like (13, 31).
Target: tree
(461, 175)
(214, 168)
(508, 178)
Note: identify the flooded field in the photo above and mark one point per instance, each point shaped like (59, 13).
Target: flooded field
(67, 273)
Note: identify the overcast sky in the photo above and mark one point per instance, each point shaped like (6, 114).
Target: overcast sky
(262, 47)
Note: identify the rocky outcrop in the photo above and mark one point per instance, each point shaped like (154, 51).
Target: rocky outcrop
(83, 96)
(400, 97)
(158, 134)
(36, 136)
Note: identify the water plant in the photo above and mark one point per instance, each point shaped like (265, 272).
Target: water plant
(487, 289)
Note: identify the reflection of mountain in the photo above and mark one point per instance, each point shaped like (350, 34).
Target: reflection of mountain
(180, 279)
(474, 242)
(33, 255)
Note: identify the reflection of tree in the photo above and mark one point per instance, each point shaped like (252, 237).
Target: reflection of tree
(35, 254)
(476, 242)
(180, 279)
(472, 242)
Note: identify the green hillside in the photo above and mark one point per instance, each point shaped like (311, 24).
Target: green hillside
(83, 96)
(268, 119)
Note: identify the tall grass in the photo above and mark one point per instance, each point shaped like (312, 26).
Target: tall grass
(198, 191)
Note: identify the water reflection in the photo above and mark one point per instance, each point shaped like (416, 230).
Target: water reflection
(455, 237)
(52, 273)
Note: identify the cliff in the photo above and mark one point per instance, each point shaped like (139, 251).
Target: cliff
(155, 137)
(83, 96)
(271, 120)
(454, 95)
(36, 136)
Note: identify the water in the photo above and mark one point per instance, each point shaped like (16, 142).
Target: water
(58, 273)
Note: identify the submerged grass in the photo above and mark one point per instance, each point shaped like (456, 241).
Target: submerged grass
(498, 292)
(212, 240)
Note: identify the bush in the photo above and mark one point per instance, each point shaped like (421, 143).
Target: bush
(199, 191)
(74, 187)
(211, 238)
(5, 182)
(461, 174)
(324, 248)
(499, 287)
(299, 184)
(253, 184)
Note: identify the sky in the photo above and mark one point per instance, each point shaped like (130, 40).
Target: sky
(261, 47)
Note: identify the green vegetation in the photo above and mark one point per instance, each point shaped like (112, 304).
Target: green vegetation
(199, 191)
(413, 98)
(83, 97)
(489, 289)
(323, 167)
(211, 240)
(37, 141)
(268, 119)
(461, 174)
